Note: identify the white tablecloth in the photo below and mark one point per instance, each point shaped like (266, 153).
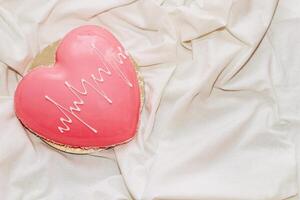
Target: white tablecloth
(222, 106)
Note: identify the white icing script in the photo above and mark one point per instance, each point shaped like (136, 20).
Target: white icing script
(110, 60)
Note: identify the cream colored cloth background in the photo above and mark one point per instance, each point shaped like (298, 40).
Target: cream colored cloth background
(222, 109)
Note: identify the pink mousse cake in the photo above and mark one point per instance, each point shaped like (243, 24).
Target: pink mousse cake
(90, 97)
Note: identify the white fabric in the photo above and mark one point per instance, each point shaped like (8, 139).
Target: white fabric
(222, 101)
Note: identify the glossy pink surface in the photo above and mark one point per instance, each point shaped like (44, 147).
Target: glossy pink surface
(89, 98)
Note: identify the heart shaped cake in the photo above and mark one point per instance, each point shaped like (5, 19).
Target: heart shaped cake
(89, 99)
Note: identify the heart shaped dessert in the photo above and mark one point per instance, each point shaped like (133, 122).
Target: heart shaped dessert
(89, 99)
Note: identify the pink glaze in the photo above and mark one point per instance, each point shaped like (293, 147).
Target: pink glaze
(89, 98)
